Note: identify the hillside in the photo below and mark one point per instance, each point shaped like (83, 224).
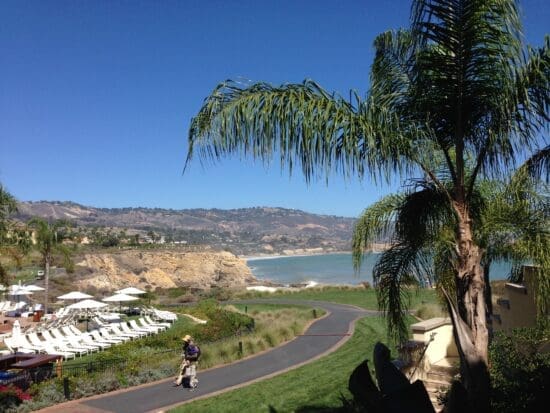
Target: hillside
(243, 231)
(161, 269)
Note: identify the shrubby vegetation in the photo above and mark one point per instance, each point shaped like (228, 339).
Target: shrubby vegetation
(11, 397)
(520, 373)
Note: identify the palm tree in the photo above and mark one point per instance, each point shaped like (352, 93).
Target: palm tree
(14, 240)
(457, 96)
(511, 222)
(8, 205)
(49, 241)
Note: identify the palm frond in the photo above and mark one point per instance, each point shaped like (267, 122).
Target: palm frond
(417, 219)
(444, 258)
(400, 134)
(538, 165)
(532, 91)
(422, 215)
(396, 272)
(376, 222)
(473, 81)
(515, 226)
(302, 123)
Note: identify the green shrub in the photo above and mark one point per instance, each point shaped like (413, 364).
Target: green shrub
(429, 310)
(284, 333)
(223, 353)
(177, 292)
(249, 347)
(295, 328)
(520, 374)
(270, 339)
(261, 344)
(221, 322)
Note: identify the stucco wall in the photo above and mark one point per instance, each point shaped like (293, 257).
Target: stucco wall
(520, 309)
(443, 344)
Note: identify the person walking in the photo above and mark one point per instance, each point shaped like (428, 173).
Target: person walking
(188, 368)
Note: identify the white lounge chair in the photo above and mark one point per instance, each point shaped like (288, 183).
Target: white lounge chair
(50, 349)
(134, 326)
(36, 342)
(100, 339)
(14, 347)
(165, 315)
(54, 331)
(75, 342)
(142, 323)
(154, 323)
(63, 345)
(87, 339)
(119, 332)
(125, 328)
(114, 335)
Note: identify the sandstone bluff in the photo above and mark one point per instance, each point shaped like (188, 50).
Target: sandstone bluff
(163, 269)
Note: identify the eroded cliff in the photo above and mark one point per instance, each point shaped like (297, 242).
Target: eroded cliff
(164, 269)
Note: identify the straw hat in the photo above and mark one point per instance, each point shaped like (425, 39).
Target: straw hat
(186, 339)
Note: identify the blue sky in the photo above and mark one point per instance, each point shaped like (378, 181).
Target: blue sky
(96, 96)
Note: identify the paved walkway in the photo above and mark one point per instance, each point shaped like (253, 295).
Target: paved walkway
(322, 337)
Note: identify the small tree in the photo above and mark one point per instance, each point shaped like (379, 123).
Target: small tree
(14, 240)
(49, 241)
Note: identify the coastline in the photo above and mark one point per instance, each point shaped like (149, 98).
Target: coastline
(299, 270)
(274, 257)
(375, 249)
(301, 254)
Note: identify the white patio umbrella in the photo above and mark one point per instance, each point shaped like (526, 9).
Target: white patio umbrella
(86, 305)
(75, 295)
(18, 292)
(131, 291)
(120, 298)
(14, 287)
(32, 287)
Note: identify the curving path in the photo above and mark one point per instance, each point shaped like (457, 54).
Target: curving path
(322, 337)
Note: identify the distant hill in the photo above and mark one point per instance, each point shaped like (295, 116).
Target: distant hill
(242, 231)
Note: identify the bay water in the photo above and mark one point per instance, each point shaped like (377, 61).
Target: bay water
(329, 269)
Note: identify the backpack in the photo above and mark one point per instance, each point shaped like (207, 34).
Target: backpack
(193, 352)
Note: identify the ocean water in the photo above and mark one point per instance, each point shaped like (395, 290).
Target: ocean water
(329, 269)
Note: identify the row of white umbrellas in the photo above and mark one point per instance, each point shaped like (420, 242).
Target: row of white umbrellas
(124, 295)
(87, 302)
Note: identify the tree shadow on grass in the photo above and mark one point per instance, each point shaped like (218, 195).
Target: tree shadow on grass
(314, 409)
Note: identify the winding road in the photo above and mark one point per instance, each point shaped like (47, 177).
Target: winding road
(322, 337)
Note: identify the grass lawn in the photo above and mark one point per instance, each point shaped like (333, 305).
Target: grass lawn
(311, 388)
(358, 296)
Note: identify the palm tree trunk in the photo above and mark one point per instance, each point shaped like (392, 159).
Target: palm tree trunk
(470, 321)
(46, 283)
